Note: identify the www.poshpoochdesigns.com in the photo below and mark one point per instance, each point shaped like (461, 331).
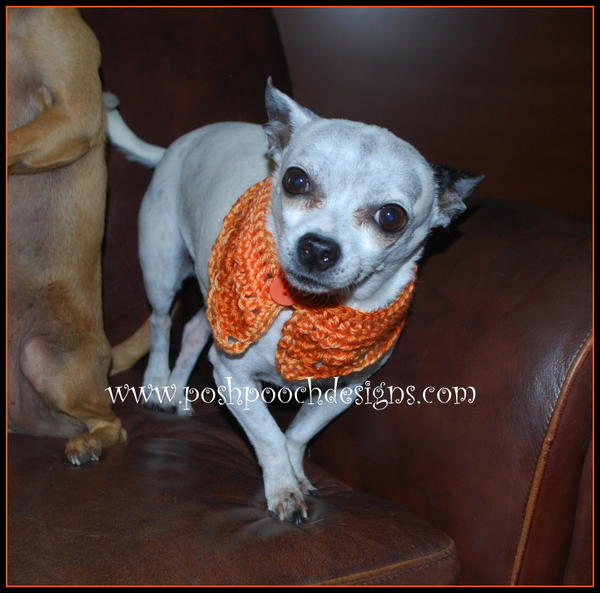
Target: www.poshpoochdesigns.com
(378, 396)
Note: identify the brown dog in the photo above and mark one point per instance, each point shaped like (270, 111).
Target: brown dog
(58, 353)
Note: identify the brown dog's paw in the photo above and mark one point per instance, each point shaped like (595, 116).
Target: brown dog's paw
(83, 449)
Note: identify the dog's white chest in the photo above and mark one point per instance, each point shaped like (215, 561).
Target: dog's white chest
(259, 359)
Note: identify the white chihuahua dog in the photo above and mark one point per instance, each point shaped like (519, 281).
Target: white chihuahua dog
(350, 208)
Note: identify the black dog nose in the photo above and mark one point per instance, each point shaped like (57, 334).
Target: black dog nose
(317, 253)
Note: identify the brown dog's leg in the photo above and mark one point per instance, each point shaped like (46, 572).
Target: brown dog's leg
(70, 375)
(59, 353)
(67, 56)
(91, 404)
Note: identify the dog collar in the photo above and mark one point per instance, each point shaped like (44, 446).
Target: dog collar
(318, 341)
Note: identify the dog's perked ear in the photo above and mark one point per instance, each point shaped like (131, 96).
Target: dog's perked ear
(285, 117)
(453, 186)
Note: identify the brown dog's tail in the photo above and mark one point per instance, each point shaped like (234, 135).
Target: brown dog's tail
(128, 352)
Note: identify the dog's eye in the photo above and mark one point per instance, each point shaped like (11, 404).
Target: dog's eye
(296, 181)
(391, 217)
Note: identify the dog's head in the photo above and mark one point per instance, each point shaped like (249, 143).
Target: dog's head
(351, 201)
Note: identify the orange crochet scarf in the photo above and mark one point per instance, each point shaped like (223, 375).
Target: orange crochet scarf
(318, 341)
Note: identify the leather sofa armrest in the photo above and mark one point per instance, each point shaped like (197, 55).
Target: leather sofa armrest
(579, 565)
(502, 306)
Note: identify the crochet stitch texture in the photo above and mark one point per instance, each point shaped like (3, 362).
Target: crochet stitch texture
(318, 341)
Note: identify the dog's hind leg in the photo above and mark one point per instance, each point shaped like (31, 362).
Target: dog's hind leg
(165, 264)
(195, 337)
(92, 405)
(70, 374)
(163, 394)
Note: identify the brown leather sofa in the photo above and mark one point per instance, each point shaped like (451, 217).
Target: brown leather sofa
(427, 491)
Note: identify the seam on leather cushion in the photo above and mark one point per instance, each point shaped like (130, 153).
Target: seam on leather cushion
(390, 571)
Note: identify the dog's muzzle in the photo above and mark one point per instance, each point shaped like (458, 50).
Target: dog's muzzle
(317, 253)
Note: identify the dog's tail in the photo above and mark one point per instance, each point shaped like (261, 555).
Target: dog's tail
(128, 352)
(134, 148)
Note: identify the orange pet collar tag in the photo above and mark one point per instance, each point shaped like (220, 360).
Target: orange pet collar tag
(279, 292)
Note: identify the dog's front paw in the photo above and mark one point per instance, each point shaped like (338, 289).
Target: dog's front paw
(296, 455)
(288, 505)
(306, 487)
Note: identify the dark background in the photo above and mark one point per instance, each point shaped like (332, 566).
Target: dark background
(500, 91)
